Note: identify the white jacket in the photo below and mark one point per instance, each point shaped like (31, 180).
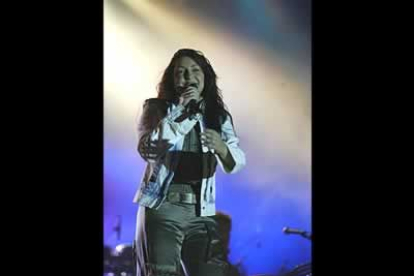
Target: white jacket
(161, 136)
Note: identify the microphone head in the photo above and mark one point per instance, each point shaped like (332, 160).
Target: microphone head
(180, 89)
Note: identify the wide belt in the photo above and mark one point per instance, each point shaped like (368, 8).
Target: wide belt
(179, 197)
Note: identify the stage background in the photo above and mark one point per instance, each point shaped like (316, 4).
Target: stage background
(261, 51)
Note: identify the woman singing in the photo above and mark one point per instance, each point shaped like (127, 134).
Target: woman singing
(183, 134)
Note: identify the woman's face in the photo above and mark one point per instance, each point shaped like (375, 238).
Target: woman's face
(187, 72)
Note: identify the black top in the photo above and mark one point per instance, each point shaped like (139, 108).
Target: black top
(193, 164)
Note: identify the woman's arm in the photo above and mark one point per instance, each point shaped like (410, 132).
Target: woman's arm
(230, 156)
(159, 131)
(234, 159)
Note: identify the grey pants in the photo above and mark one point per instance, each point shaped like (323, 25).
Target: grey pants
(173, 240)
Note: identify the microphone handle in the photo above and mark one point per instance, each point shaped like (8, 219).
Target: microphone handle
(192, 107)
(190, 111)
(191, 103)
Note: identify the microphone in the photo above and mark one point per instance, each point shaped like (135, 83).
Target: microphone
(181, 89)
(288, 230)
(303, 233)
(192, 107)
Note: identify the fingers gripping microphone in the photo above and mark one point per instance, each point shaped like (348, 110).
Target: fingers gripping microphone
(181, 89)
(191, 108)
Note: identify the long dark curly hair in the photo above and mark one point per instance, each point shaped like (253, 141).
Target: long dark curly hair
(215, 109)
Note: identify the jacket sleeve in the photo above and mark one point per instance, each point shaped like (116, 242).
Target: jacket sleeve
(158, 131)
(232, 141)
